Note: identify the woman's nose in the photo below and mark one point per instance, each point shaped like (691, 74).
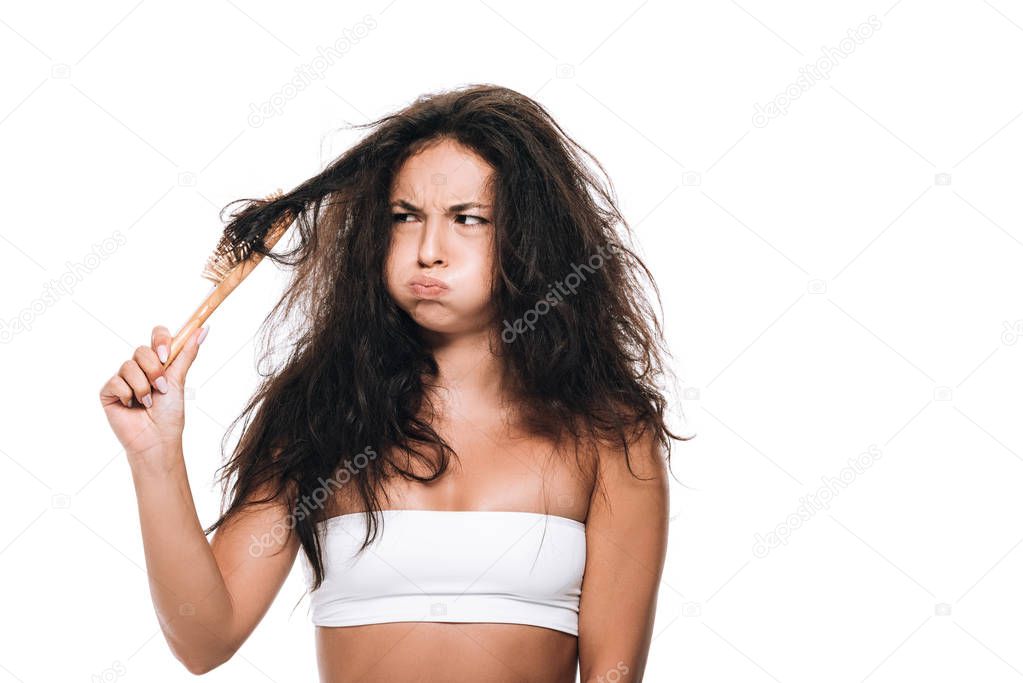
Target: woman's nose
(432, 242)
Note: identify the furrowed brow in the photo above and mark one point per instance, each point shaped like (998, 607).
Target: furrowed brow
(451, 209)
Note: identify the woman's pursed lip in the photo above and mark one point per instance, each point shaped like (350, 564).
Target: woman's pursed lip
(427, 281)
(427, 290)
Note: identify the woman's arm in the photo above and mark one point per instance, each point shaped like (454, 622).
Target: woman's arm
(626, 543)
(208, 595)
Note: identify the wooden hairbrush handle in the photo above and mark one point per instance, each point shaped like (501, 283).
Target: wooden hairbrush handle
(220, 291)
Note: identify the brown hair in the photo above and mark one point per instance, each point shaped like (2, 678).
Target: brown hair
(580, 342)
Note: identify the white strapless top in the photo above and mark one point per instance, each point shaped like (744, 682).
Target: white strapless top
(452, 566)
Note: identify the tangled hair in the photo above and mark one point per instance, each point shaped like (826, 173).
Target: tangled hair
(584, 366)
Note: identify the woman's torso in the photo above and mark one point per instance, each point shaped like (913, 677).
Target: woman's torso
(495, 470)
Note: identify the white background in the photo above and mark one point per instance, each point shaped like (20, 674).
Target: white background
(844, 280)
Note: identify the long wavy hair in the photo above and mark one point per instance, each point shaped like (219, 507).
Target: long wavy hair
(580, 343)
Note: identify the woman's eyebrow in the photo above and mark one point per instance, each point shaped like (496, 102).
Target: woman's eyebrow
(451, 209)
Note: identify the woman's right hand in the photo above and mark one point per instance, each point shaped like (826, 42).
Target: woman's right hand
(144, 402)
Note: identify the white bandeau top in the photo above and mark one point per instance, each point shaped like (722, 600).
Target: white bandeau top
(452, 566)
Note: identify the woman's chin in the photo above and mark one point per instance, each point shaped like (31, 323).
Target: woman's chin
(439, 318)
(437, 321)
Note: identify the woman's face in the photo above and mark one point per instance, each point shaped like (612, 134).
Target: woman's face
(441, 228)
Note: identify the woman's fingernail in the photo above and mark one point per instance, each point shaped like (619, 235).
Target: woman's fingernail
(161, 384)
(161, 352)
(147, 401)
(202, 334)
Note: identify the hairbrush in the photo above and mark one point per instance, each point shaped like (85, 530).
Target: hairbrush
(229, 264)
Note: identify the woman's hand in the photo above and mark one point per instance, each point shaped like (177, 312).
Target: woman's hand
(144, 402)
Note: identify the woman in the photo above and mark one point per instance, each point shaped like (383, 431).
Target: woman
(466, 439)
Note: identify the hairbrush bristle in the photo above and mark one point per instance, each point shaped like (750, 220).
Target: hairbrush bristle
(225, 258)
(228, 255)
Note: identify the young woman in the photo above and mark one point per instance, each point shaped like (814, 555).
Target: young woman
(466, 438)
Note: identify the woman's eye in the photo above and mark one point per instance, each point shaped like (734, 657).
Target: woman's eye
(409, 217)
(481, 220)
